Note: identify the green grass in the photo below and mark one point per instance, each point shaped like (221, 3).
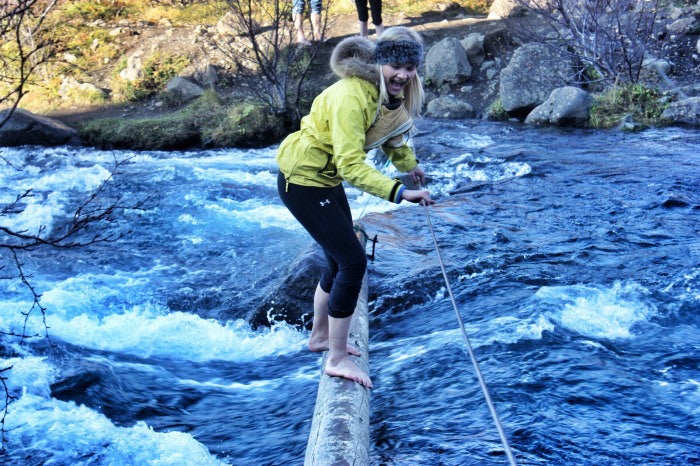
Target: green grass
(641, 103)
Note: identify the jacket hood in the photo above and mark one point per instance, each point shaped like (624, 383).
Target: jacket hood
(354, 56)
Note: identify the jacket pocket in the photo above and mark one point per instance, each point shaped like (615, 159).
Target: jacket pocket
(329, 170)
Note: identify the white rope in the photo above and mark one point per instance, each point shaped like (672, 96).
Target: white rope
(484, 389)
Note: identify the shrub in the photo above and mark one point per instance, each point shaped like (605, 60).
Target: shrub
(157, 71)
(608, 38)
(90, 11)
(641, 103)
(497, 112)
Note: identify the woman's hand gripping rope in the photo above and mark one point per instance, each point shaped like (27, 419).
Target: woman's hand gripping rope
(420, 195)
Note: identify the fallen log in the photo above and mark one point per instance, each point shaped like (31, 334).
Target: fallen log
(340, 426)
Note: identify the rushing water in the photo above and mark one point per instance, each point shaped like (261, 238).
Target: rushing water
(573, 257)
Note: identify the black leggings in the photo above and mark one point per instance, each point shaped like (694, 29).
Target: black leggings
(325, 214)
(375, 6)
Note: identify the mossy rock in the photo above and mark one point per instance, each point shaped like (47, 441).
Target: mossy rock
(248, 125)
(206, 123)
(140, 134)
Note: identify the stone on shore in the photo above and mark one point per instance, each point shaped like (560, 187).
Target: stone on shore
(27, 128)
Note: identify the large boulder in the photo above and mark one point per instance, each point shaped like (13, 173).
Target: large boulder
(686, 111)
(230, 25)
(531, 75)
(682, 25)
(473, 45)
(447, 62)
(73, 90)
(449, 107)
(502, 9)
(184, 88)
(134, 66)
(26, 128)
(566, 106)
(292, 299)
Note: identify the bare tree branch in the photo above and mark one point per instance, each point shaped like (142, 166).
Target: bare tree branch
(85, 226)
(36, 304)
(609, 38)
(8, 399)
(264, 53)
(27, 43)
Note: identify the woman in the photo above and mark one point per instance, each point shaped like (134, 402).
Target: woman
(371, 105)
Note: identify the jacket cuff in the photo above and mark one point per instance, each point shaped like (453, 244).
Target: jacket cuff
(396, 193)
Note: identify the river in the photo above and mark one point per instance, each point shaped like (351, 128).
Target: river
(573, 255)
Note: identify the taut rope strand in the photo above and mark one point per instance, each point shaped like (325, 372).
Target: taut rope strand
(484, 389)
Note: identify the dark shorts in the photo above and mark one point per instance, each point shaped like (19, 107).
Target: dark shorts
(325, 214)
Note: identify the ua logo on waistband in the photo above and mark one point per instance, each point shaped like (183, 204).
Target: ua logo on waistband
(325, 202)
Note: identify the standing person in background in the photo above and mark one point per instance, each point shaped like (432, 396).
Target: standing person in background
(363, 15)
(372, 105)
(298, 17)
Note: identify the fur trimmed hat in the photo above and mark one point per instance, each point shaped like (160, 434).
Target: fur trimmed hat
(398, 52)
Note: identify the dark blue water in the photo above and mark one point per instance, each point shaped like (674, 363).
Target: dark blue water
(573, 257)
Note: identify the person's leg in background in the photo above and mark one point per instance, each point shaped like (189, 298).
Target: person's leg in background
(362, 16)
(298, 17)
(316, 10)
(376, 9)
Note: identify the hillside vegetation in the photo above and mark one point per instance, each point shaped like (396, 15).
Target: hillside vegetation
(256, 94)
(90, 33)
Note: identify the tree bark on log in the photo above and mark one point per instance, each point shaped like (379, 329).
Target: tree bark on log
(340, 426)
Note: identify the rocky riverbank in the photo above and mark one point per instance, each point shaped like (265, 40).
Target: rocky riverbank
(474, 67)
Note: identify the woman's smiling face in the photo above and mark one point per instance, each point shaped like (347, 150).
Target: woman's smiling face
(396, 77)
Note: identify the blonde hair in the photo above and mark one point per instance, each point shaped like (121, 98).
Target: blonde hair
(413, 93)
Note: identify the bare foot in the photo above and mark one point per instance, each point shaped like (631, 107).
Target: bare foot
(347, 369)
(318, 345)
(302, 40)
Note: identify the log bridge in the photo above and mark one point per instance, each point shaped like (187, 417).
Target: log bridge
(340, 426)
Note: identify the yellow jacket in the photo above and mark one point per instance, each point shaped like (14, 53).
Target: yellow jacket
(329, 146)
